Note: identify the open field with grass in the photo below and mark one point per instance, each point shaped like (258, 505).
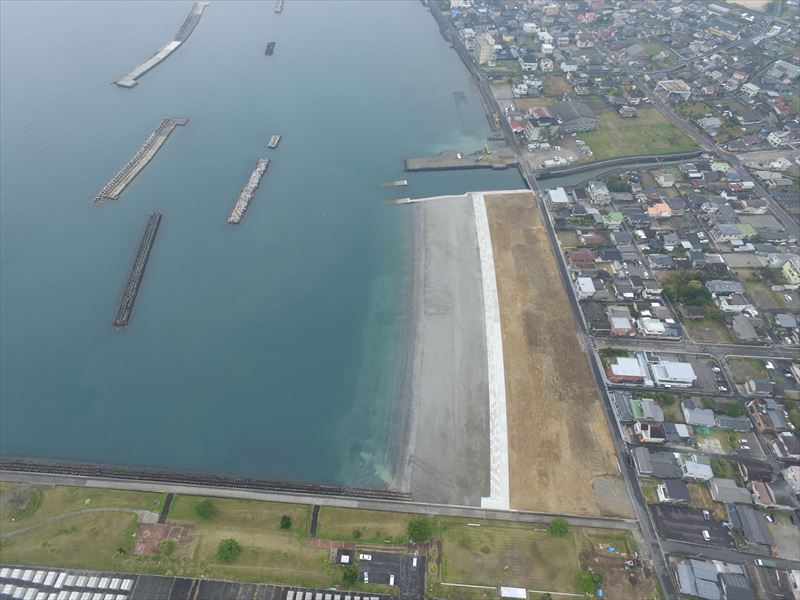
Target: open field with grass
(363, 526)
(759, 290)
(707, 330)
(649, 133)
(743, 369)
(508, 554)
(561, 458)
(493, 554)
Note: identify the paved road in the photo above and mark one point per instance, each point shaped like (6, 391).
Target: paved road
(715, 553)
(382, 505)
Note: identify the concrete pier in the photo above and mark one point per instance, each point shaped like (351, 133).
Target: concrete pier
(144, 155)
(449, 160)
(137, 271)
(246, 195)
(130, 79)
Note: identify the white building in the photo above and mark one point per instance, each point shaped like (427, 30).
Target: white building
(673, 374)
(484, 50)
(585, 288)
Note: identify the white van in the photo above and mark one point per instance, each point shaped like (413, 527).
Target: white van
(706, 537)
(391, 579)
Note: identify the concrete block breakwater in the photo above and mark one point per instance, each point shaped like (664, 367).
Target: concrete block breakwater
(130, 79)
(95, 471)
(246, 195)
(144, 155)
(137, 270)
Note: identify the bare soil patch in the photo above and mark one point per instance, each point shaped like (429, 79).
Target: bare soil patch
(148, 535)
(561, 457)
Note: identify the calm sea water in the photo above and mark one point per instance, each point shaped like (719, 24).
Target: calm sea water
(272, 348)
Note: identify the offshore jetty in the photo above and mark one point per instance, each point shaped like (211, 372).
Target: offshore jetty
(246, 195)
(137, 270)
(130, 79)
(144, 155)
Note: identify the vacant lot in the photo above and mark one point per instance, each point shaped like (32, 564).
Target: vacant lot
(649, 133)
(509, 554)
(561, 458)
(706, 330)
(363, 526)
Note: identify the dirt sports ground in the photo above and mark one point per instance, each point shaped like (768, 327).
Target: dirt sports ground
(561, 457)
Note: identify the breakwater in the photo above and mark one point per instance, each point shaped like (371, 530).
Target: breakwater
(98, 471)
(137, 270)
(129, 80)
(246, 195)
(113, 189)
(279, 6)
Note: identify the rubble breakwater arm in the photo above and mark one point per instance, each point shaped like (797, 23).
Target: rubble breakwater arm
(246, 195)
(130, 79)
(137, 270)
(144, 155)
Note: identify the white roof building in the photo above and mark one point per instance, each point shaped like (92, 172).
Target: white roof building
(671, 373)
(558, 197)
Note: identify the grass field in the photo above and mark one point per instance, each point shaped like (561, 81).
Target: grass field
(649, 133)
(362, 526)
(743, 369)
(706, 330)
(561, 458)
(509, 554)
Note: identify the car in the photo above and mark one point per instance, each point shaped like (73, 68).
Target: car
(414, 562)
(743, 447)
(391, 579)
(765, 562)
(768, 365)
(716, 369)
(722, 388)
(706, 515)
(365, 556)
(706, 537)
(366, 577)
(788, 298)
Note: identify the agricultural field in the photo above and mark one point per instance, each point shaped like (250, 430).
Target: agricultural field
(649, 133)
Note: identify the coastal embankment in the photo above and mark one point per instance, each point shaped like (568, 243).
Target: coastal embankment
(446, 385)
(137, 270)
(561, 456)
(115, 187)
(619, 161)
(129, 80)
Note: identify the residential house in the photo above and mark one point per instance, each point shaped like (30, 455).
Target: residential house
(695, 467)
(727, 492)
(574, 117)
(673, 491)
(694, 415)
(752, 524)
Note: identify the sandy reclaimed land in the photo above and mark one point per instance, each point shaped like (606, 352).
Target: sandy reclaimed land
(561, 457)
(447, 384)
(757, 5)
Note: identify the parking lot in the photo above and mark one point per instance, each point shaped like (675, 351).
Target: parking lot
(408, 577)
(684, 524)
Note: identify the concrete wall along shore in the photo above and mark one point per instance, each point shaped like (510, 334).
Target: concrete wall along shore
(144, 155)
(246, 195)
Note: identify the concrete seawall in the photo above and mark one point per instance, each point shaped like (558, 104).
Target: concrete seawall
(451, 160)
(115, 187)
(137, 270)
(129, 80)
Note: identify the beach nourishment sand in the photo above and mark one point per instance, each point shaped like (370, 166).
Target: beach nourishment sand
(447, 379)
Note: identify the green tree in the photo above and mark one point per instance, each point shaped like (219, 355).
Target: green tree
(420, 529)
(588, 581)
(228, 550)
(166, 546)
(205, 510)
(349, 575)
(286, 522)
(546, 596)
(734, 410)
(558, 527)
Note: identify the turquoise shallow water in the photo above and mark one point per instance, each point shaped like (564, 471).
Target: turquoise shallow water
(272, 348)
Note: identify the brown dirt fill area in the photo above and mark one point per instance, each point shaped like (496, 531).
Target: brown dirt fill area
(561, 458)
(149, 534)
